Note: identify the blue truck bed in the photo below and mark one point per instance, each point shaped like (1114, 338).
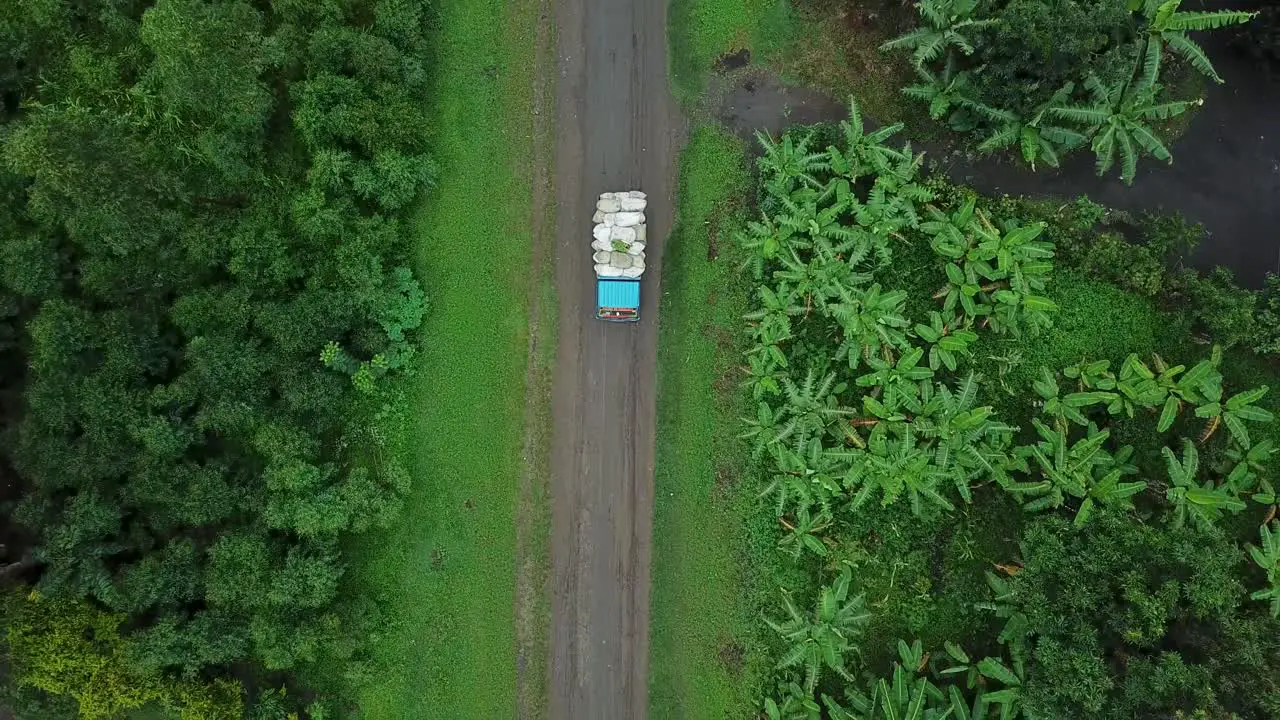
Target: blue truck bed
(618, 299)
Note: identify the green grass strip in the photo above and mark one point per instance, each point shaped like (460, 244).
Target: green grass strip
(447, 572)
(704, 662)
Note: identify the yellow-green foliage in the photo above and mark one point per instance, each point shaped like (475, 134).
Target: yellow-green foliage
(68, 647)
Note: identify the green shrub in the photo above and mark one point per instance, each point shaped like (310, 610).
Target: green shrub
(1153, 595)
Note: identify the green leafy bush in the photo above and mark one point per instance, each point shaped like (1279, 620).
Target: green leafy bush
(1156, 597)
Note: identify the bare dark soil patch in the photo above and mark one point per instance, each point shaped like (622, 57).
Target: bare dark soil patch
(733, 61)
(732, 656)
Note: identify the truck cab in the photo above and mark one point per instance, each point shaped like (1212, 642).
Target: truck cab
(618, 299)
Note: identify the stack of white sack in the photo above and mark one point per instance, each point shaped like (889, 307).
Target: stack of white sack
(619, 234)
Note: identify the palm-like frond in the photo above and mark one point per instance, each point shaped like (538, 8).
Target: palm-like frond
(1167, 26)
(1210, 20)
(1267, 557)
(824, 638)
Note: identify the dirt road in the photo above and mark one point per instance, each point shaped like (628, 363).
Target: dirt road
(617, 128)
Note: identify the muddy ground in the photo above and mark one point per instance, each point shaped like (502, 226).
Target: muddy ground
(617, 128)
(1226, 171)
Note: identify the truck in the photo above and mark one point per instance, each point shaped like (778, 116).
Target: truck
(617, 244)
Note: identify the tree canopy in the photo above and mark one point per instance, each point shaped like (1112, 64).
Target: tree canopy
(204, 286)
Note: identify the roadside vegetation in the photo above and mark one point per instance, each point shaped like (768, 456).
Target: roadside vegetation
(237, 346)
(706, 658)
(957, 409)
(446, 573)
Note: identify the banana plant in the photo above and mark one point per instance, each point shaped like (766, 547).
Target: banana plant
(825, 637)
(969, 444)
(861, 245)
(994, 274)
(1019, 263)
(905, 694)
(903, 384)
(1267, 557)
(1143, 387)
(789, 163)
(763, 376)
(810, 408)
(768, 339)
(1036, 136)
(817, 279)
(943, 93)
(1083, 470)
(815, 477)
(965, 289)
(1199, 503)
(1167, 28)
(886, 213)
(1237, 410)
(1070, 407)
(1091, 375)
(864, 153)
(947, 341)
(870, 321)
(891, 203)
(1015, 634)
(951, 233)
(896, 463)
(802, 534)
(815, 214)
(764, 241)
(946, 23)
(979, 676)
(793, 703)
(1117, 121)
(1246, 471)
(763, 428)
(771, 323)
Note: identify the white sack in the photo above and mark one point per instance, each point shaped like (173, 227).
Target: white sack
(632, 272)
(638, 262)
(633, 204)
(608, 272)
(608, 205)
(601, 245)
(600, 232)
(640, 232)
(620, 260)
(603, 257)
(635, 249)
(635, 194)
(628, 219)
(598, 217)
(610, 196)
(624, 234)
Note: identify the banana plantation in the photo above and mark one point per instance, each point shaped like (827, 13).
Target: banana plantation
(994, 498)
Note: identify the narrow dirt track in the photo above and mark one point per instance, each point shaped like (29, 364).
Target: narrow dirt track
(617, 128)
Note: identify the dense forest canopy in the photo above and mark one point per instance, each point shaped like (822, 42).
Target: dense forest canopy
(203, 284)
